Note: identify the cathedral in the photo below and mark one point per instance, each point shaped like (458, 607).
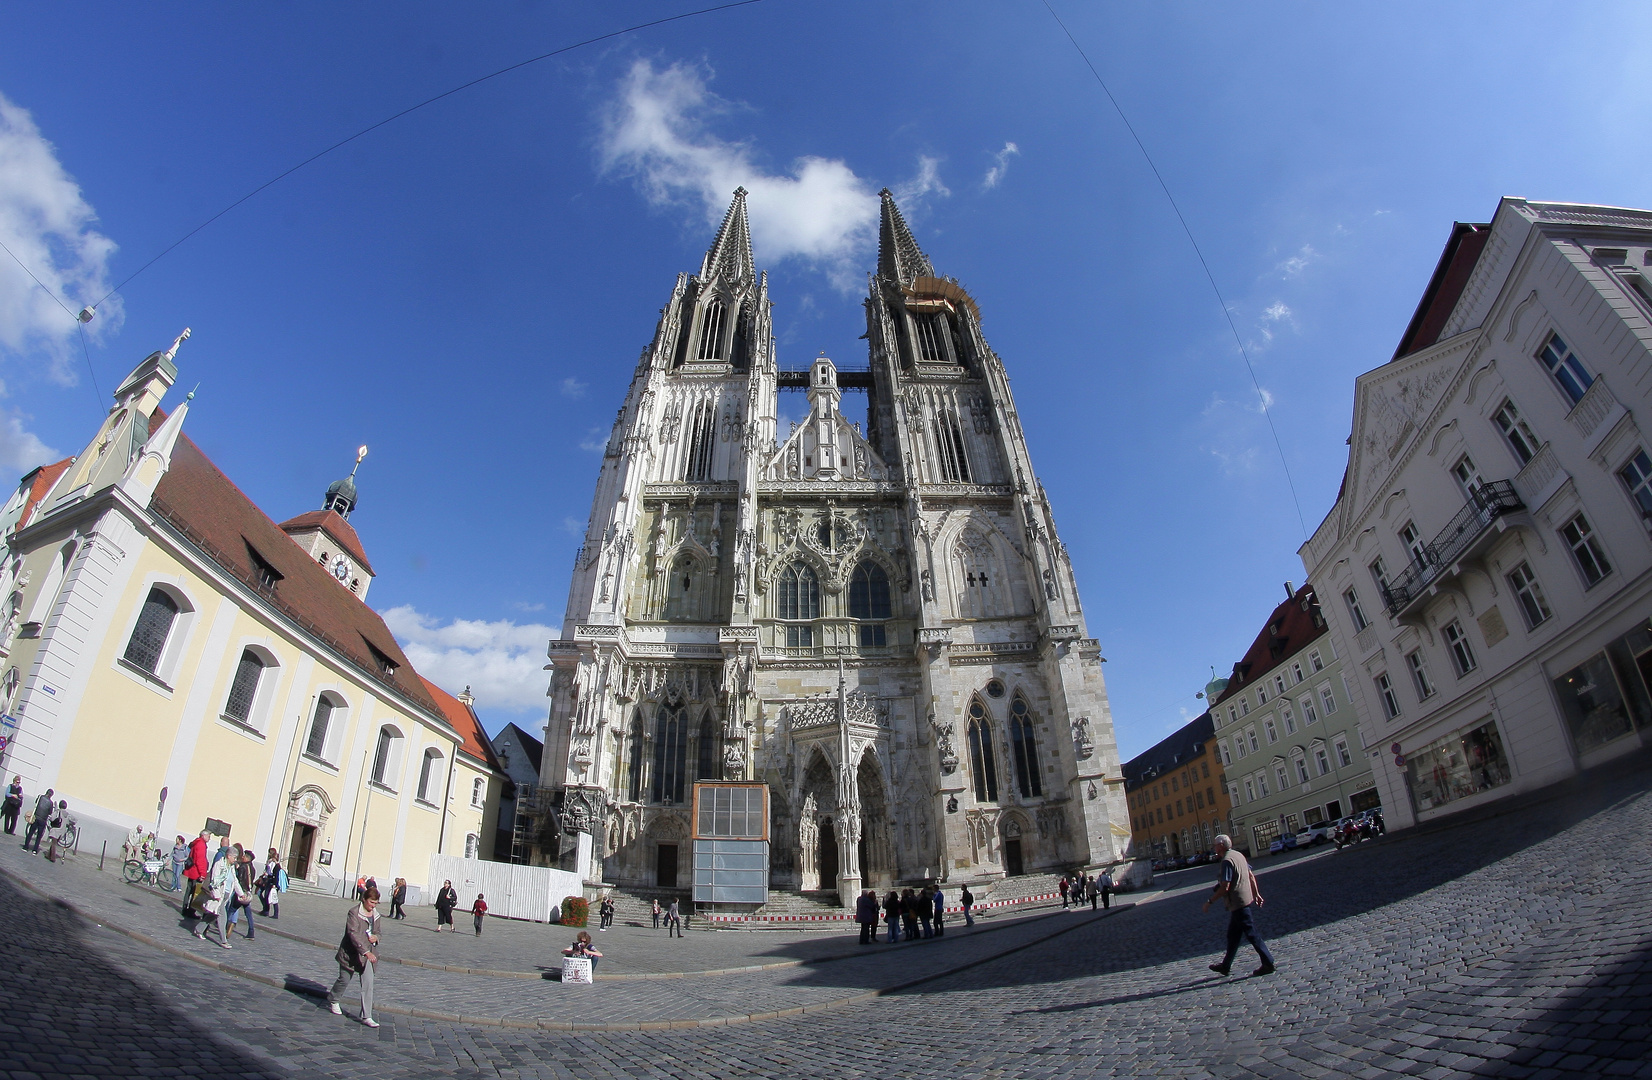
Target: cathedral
(882, 626)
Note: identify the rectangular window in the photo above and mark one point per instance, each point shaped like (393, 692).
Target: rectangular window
(1385, 691)
(1593, 703)
(1321, 761)
(1419, 674)
(1281, 779)
(1327, 699)
(1344, 758)
(873, 636)
(1278, 685)
(800, 637)
(1530, 594)
(1199, 798)
(1296, 673)
(1222, 748)
(1468, 476)
(1239, 745)
(1309, 714)
(1567, 369)
(1413, 541)
(1273, 732)
(1462, 655)
(1250, 792)
(1591, 560)
(1379, 574)
(1254, 746)
(1261, 696)
(1315, 661)
(1233, 715)
(1638, 476)
(1356, 612)
(1244, 706)
(1262, 785)
(1457, 766)
(1289, 718)
(1514, 429)
(1301, 770)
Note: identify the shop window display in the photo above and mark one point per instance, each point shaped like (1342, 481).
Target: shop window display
(1593, 705)
(1458, 766)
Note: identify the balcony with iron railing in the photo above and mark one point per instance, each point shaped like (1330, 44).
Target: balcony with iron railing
(1464, 537)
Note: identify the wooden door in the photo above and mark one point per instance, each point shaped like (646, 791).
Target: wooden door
(299, 851)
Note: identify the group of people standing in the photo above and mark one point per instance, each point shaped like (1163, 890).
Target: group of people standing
(46, 813)
(918, 913)
(1078, 887)
(672, 914)
(219, 888)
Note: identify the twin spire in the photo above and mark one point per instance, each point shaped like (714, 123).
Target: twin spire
(899, 256)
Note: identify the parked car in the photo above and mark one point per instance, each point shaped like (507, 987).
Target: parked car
(1318, 833)
(1276, 847)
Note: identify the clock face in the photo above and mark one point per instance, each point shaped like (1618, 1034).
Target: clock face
(341, 569)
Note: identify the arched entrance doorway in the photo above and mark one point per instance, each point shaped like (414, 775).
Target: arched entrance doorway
(827, 859)
(877, 863)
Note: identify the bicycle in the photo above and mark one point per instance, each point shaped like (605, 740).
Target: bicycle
(154, 872)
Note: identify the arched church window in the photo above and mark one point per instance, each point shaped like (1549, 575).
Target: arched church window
(702, 432)
(1025, 746)
(154, 626)
(708, 760)
(949, 443)
(637, 749)
(711, 331)
(683, 588)
(799, 599)
(670, 754)
(977, 577)
(244, 688)
(869, 599)
(981, 761)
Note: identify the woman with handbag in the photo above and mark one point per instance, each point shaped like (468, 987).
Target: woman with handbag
(243, 885)
(398, 897)
(269, 885)
(13, 805)
(357, 955)
(446, 900)
(216, 905)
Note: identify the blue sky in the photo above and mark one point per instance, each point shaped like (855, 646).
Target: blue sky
(467, 290)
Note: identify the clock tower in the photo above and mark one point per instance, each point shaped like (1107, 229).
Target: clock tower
(330, 539)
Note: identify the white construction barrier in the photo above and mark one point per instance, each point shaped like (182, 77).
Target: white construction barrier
(512, 892)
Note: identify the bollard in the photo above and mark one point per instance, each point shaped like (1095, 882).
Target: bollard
(101, 854)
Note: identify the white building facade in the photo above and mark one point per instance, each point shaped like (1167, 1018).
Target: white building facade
(1487, 568)
(880, 624)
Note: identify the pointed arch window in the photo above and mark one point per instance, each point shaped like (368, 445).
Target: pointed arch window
(670, 754)
(635, 789)
(949, 443)
(684, 589)
(982, 764)
(711, 331)
(708, 760)
(702, 433)
(869, 599)
(1025, 745)
(154, 626)
(977, 577)
(799, 599)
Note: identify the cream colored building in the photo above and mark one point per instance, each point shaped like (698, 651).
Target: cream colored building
(162, 634)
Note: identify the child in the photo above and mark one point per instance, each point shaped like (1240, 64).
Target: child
(479, 909)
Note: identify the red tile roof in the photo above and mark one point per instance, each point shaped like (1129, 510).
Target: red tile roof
(463, 719)
(218, 518)
(1445, 288)
(335, 526)
(44, 477)
(1288, 630)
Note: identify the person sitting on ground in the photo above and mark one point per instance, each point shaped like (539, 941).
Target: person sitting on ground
(582, 947)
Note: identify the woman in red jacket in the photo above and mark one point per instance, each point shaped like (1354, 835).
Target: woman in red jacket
(195, 873)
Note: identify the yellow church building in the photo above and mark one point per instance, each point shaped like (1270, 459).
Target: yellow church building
(171, 655)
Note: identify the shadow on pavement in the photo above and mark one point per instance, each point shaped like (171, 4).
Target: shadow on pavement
(69, 1012)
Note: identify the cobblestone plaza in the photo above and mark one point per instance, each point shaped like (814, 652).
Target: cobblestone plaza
(1517, 945)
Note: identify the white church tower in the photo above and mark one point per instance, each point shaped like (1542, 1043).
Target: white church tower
(882, 626)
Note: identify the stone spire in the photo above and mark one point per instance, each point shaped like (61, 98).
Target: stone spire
(730, 255)
(899, 257)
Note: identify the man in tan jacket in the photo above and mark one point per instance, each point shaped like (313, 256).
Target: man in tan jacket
(1236, 887)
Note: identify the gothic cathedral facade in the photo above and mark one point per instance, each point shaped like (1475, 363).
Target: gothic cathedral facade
(881, 625)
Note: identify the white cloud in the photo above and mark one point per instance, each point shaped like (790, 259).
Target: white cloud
(572, 387)
(1276, 311)
(21, 450)
(928, 180)
(523, 605)
(594, 441)
(1297, 263)
(573, 526)
(1001, 165)
(47, 224)
(502, 662)
(821, 213)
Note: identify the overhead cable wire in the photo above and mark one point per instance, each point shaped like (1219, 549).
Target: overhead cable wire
(1261, 395)
(85, 351)
(415, 108)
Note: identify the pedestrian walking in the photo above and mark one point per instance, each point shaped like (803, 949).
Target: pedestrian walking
(242, 887)
(220, 881)
(656, 913)
(446, 900)
(940, 911)
(1237, 889)
(1104, 886)
(270, 886)
(605, 912)
(909, 914)
(398, 897)
(967, 900)
(478, 911)
(1064, 886)
(196, 874)
(892, 915)
(866, 913)
(674, 921)
(357, 955)
(1092, 889)
(36, 830)
(926, 910)
(180, 859)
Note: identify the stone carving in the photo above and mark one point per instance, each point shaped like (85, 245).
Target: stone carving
(928, 585)
(1052, 823)
(1084, 743)
(734, 760)
(944, 731)
(583, 808)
